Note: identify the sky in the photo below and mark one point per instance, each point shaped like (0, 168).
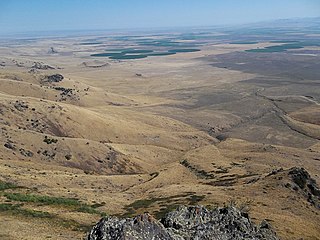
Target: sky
(51, 15)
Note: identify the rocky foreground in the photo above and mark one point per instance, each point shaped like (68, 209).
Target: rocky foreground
(197, 222)
(185, 223)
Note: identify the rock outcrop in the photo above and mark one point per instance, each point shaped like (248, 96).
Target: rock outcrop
(302, 181)
(52, 50)
(41, 66)
(186, 223)
(54, 78)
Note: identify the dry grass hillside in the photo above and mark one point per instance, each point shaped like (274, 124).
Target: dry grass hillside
(124, 137)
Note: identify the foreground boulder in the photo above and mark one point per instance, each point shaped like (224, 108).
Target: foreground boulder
(186, 223)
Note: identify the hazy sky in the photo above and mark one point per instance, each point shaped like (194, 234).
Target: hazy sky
(38, 15)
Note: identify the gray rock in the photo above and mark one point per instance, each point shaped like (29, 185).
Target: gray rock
(52, 50)
(142, 227)
(20, 105)
(26, 153)
(55, 78)
(10, 145)
(186, 223)
(41, 66)
(303, 183)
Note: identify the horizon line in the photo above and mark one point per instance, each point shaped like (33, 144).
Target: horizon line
(136, 29)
